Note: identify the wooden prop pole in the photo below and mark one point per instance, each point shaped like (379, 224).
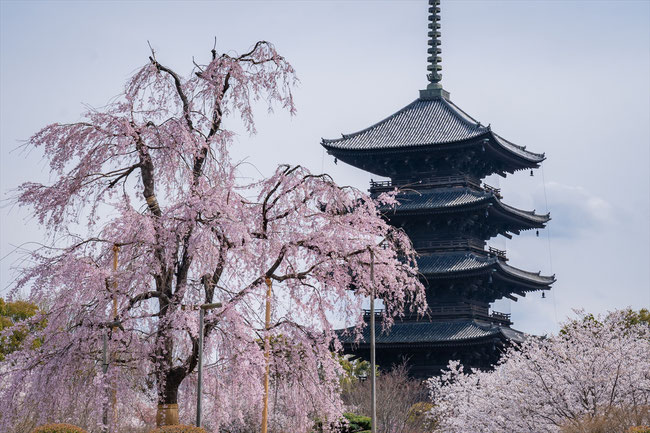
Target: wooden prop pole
(267, 355)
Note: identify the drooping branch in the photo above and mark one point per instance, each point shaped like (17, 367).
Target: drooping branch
(179, 90)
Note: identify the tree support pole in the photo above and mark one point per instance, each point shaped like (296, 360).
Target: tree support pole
(104, 370)
(373, 364)
(200, 369)
(267, 354)
(116, 251)
(199, 386)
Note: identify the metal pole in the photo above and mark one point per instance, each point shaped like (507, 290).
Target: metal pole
(373, 366)
(105, 369)
(267, 349)
(200, 376)
(116, 251)
(199, 386)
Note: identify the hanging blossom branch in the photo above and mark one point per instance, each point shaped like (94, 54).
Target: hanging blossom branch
(151, 173)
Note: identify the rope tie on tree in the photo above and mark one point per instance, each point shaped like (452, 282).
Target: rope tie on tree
(152, 203)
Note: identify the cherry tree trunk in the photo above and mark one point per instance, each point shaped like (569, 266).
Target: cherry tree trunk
(167, 412)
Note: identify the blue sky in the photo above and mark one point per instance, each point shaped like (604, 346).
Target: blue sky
(567, 78)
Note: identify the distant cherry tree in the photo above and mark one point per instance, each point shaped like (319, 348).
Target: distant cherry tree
(592, 377)
(149, 178)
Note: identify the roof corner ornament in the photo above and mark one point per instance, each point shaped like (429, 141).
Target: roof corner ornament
(434, 88)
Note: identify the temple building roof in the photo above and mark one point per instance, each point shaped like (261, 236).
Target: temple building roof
(447, 199)
(425, 333)
(424, 122)
(441, 265)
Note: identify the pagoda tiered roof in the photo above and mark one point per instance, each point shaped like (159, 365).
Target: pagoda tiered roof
(432, 333)
(460, 263)
(439, 200)
(436, 155)
(425, 122)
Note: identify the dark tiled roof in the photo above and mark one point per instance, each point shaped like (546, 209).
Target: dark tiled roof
(531, 276)
(453, 262)
(540, 218)
(444, 263)
(422, 122)
(441, 198)
(519, 150)
(438, 198)
(425, 332)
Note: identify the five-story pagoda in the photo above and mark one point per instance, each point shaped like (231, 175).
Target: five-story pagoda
(437, 155)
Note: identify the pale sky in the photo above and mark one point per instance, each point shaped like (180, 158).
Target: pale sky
(569, 78)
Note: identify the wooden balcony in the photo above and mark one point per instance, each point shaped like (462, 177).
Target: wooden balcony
(438, 181)
(449, 245)
(501, 254)
(493, 190)
(466, 311)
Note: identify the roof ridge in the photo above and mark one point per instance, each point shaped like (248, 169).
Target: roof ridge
(371, 127)
(464, 116)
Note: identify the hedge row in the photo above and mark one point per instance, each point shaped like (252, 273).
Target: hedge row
(179, 429)
(58, 428)
(68, 428)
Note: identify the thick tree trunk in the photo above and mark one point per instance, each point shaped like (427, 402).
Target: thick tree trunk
(167, 413)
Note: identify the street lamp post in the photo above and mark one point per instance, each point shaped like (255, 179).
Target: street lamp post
(202, 309)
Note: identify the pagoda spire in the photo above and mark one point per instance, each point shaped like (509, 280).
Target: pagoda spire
(434, 59)
(434, 89)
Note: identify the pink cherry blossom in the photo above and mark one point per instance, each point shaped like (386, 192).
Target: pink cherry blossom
(151, 173)
(597, 367)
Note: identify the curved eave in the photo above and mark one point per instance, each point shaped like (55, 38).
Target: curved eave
(436, 123)
(477, 266)
(533, 278)
(512, 157)
(427, 334)
(417, 146)
(525, 220)
(516, 152)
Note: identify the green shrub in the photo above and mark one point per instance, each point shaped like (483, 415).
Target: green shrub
(179, 429)
(357, 423)
(640, 429)
(58, 428)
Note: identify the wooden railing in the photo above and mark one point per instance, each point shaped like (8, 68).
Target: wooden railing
(499, 253)
(500, 316)
(426, 182)
(467, 310)
(493, 190)
(381, 183)
(449, 244)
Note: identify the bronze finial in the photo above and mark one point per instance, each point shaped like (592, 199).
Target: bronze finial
(434, 59)
(434, 88)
